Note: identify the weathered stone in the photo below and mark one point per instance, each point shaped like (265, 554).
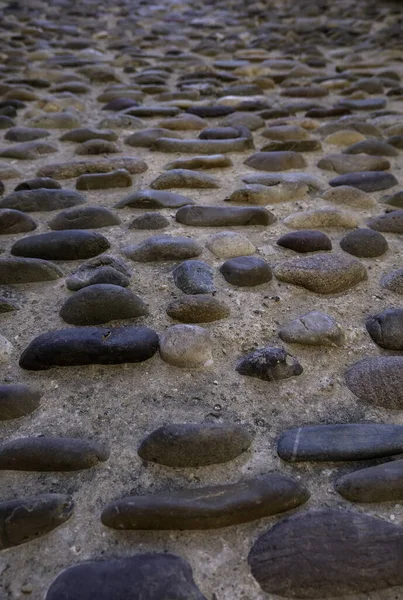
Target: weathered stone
(147, 137)
(223, 216)
(393, 281)
(101, 303)
(367, 181)
(55, 120)
(386, 328)
(42, 199)
(84, 217)
(201, 146)
(377, 381)
(15, 221)
(75, 168)
(322, 273)
(27, 270)
(184, 178)
(314, 329)
(163, 247)
(194, 277)
(101, 181)
(38, 182)
(101, 269)
(228, 244)
(327, 553)
(306, 240)
(26, 519)
(89, 345)
(390, 223)
(213, 161)
(72, 244)
(198, 308)
(326, 218)
(17, 400)
(372, 147)
(149, 221)
(246, 271)
(353, 163)
(269, 364)
(186, 346)
(207, 508)
(84, 134)
(139, 577)
(28, 150)
(364, 243)
(25, 134)
(382, 483)
(349, 196)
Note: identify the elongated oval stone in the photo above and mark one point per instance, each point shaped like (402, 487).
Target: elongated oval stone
(223, 216)
(100, 303)
(378, 380)
(75, 168)
(350, 441)
(15, 221)
(386, 328)
(276, 161)
(192, 445)
(140, 577)
(327, 553)
(207, 508)
(184, 178)
(51, 454)
(42, 199)
(197, 146)
(382, 483)
(72, 244)
(25, 519)
(17, 400)
(153, 199)
(27, 270)
(101, 269)
(367, 181)
(89, 345)
(163, 247)
(84, 217)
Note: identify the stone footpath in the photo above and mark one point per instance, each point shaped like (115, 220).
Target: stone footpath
(201, 281)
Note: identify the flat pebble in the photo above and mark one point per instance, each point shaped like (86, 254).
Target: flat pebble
(213, 161)
(377, 381)
(201, 146)
(153, 199)
(72, 244)
(199, 308)
(84, 217)
(42, 199)
(314, 329)
(207, 508)
(393, 281)
(269, 364)
(25, 134)
(147, 137)
(102, 181)
(353, 163)
(325, 218)
(386, 328)
(382, 483)
(6, 349)
(15, 221)
(194, 277)
(222, 216)
(89, 345)
(28, 150)
(101, 269)
(184, 178)
(163, 247)
(84, 134)
(38, 182)
(55, 120)
(349, 196)
(390, 223)
(322, 273)
(367, 181)
(75, 168)
(275, 161)
(149, 221)
(305, 240)
(246, 271)
(372, 147)
(27, 270)
(186, 346)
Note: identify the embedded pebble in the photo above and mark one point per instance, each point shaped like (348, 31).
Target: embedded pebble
(97, 146)
(25, 134)
(28, 150)
(150, 220)
(27, 270)
(269, 364)
(350, 441)
(211, 507)
(163, 247)
(184, 178)
(246, 271)
(201, 146)
(141, 577)
(372, 147)
(17, 400)
(186, 346)
(84, 134)
(75, 168)
(382, 483)
(228, 244)
(305, 240)
(213, 161)
(89, 345)
(390, 223)
(102, 181)
(198, 308)
(15, 221)
(147, 137)
(25, 519)
(322, 218)
(72, 244)
(322, 273)
(349, 197)
(314, 329)
(377, 381)
(393, 281)
(275, 161)
(101, 303)
(222, 216)
(101, 269)
(386, 328)
(84, 217)
(352, 163)
(326, 553)
(38, 182)
(51, 454)
(194, 277)
(364, 243)
(193, 445)
(42, 199)
(367, 181)
(154, 199)
(6, 349)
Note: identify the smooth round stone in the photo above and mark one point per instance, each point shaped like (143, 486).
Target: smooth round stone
(314, 329)
(84, 217)
(147, 137)
(37, 183)
(364, 243)
(27, 270)
(6, 349)
(295, 146)
(201, 146)
(56, 120)
(83, 134)
(88, 346)
(184, 178)
(93, 147)
(349, 196)
(101, 269)
(243, 119)
(276, 161)
(103, 181)
(322, 273)
(211, 112)
(368, 181)
(345, 137)
(393, 281)
(150, 220)
(386, 328)
(377, 381)
(15, 221)
(365, 104)
(72, 244)
(305, 241)
(186, 346)
(210, 507)
(75, 168)
(198, 309)
(326, 553)
(25, 134)
(28, 150)
(25, 519)
(353, 163)
(326, 218)
(194, 277)
(143, 576)
(18, 400)
(163, 247)
(228, 244)
(372, 147)
(223, 216)
(42, 199)
(390, 223)
(269, 364)
(193, 445)
(51, 454)
(382, 483)
(214, 161)
(219, 133)
(352, 441)
(246, 271)
(154, 199)
(285, 133)
(101, 303)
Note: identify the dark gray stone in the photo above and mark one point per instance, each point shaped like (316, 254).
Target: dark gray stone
(101, 269)
(390, 223)
(194, 277)
(17, 400)
(153, 199)
(223, 216)
(15, 221)
(382, 483)
(246, 271)
(364, 243)
(27, 270)
(269, 364)
(377, 381)
(42, 199)
(163, 247)
(386, 328)
(72, 244)
(305, 240)
(84, 217)
(367, 181)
